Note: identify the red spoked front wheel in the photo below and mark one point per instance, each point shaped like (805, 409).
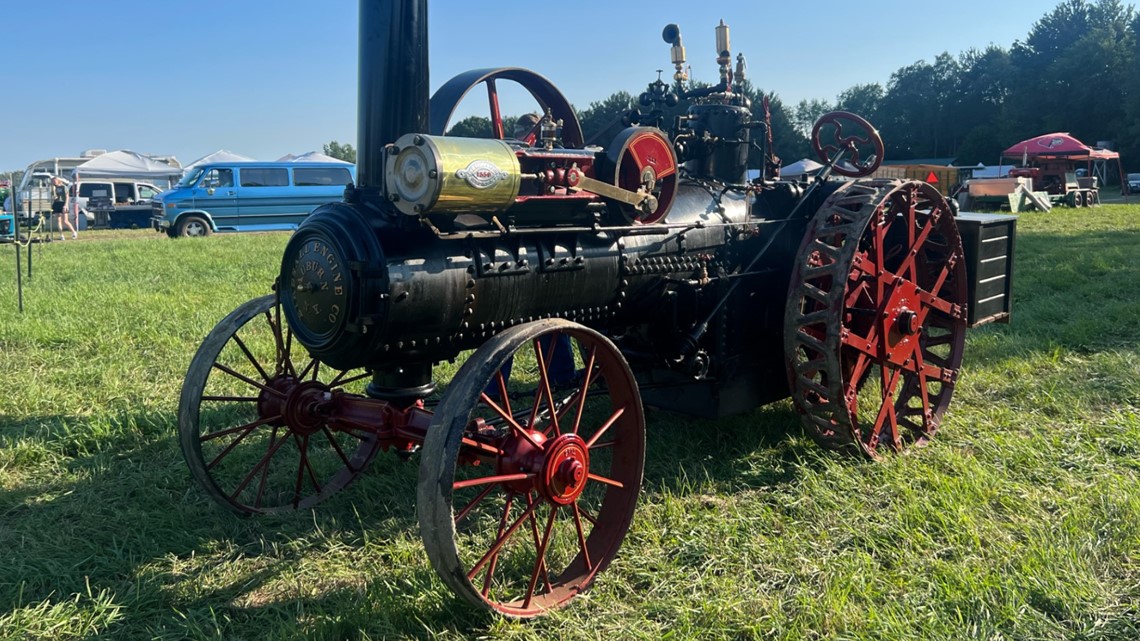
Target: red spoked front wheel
(242, 420)
(532, 467)
(876, 317)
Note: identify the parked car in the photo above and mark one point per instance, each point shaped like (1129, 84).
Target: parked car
(98, 199)
(1134, 183)
(248, 196)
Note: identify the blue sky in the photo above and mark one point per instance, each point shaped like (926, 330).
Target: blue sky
(265, 78)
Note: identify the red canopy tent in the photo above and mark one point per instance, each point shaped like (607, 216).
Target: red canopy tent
(1058, 145)
(1062, 146)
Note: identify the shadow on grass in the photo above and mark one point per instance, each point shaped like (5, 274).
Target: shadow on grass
(129, 519)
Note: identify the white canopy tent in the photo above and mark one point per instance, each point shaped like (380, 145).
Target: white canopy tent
(803, 167)
(310, 156)
(221, 155)
(128, 164)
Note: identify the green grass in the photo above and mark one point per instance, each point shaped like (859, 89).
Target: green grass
(1020, 521)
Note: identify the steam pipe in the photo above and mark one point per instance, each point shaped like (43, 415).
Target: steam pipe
(393, 84)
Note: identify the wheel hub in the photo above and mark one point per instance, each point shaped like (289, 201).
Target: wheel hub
(270, 404)
(302, 407)
(901, 322)
(560, 466)
(565, 469)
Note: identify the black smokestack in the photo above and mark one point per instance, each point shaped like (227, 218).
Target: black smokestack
(393, 81)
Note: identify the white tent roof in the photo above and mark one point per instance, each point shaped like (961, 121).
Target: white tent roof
(310, 156)
(803, 166)
(128, 164)
(221, 155)
(993, 171)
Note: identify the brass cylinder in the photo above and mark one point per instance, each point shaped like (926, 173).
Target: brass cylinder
(444, 174)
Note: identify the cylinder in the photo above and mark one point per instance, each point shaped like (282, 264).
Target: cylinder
(393, 84)
(444, 174)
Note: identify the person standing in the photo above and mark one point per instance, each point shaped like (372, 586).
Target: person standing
(58, 205)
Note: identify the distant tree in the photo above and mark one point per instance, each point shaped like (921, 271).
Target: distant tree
(807, 112)
(861, 100)
(916, 111)
(981, 121)
(343, 152)
(788, 143)
(471, 127)
(602, 120)
(15, 176)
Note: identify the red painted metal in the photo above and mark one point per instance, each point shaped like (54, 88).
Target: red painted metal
(876, 321)
(535, 523)
(861, 142)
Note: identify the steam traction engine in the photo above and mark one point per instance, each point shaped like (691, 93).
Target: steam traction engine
(587, 281)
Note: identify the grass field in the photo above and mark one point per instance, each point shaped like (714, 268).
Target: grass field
(1020, 521)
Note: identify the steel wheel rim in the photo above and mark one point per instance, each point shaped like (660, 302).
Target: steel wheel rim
(238, 427)
(516, 534)
(875, 326)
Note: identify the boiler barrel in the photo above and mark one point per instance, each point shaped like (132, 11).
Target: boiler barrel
(356, 294)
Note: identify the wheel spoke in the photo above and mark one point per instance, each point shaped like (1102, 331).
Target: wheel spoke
(230, 430)
(234, 399)
(582, 538)
(499, 534)
(312, 366)
(544, 385)
(271, 450)
(484, 448)
(540, 562)
(509, 419)
(246, 379)
(913, 250)
(341, 380)
(248, 429)
(585, 386)
(502, 539)
(930, 300)
(264, 473)
(534, 536)
(497, 129)
(503, 395)
(288, 355)
(586, 515)
(501, 478)
(301, 465)
(475, 501)
(921, 381)
(886, 414)
(249, 356)
(336, 447)
(605, 426)
(607, 481)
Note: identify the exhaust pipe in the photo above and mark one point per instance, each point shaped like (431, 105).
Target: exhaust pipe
(393, 92)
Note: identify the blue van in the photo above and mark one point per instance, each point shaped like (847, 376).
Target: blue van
(248, 196)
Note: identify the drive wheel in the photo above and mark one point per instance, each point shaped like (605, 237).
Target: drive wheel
(239, 426)
(192, 226)
(527, 488)
(876, 317)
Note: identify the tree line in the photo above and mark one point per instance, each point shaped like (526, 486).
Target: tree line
(1077, 70)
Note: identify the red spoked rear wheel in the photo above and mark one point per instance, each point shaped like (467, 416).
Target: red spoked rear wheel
(529, 476)
(876, 317)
